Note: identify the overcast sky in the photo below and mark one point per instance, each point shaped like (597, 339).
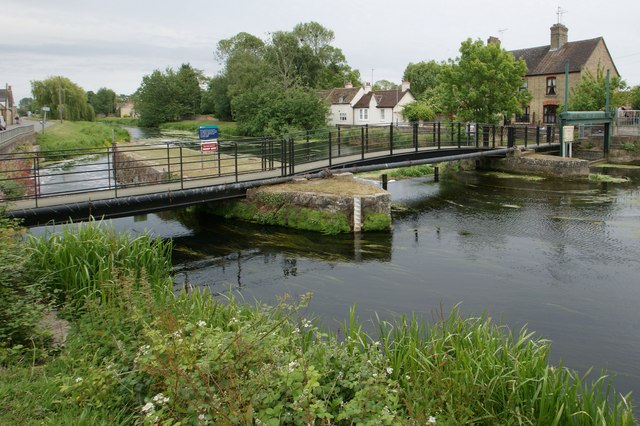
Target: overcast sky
(115, 43)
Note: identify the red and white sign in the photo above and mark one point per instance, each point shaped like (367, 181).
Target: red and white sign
(208, 146)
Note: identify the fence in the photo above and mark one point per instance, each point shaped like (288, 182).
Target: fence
(35, 175)
(628, 123)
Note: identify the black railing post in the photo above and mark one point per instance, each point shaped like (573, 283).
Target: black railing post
(511, 137)
(35, 179)
(283, 159)
(292, 156)
(219, 160)
(391, 139)
(115, 170)
(415, 136)
(329, 149)
(459, 133)
(168, 164)
(362, 141)
(538, 135)
(493, 135)
(476, 129)
(181, 171)
(501, 135)
(366, 136)
(109, 166)
(339, 142)
(235, 156)
(438, 135)
(526, 135)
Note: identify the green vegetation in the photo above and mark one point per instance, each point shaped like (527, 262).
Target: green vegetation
(597, 177)
(283, 215)
(119, 121)
(376, 222)
(81, 134)
(400, 173)
(103, 102)
(225, 128)
(590, 93)
(615, 166)
(483, 84)
(146, 355)
(63, 97)
(631, 147)
(503, 175)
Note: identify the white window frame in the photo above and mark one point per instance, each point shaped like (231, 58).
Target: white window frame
(381, 114)
(364, 114)
(343, 116)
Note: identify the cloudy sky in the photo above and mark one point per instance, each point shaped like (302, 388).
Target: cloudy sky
(115, 43)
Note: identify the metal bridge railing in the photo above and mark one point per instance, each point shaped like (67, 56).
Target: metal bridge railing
(41, 174)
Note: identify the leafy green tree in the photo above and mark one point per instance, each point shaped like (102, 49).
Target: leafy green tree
(24, 106)
(634, 97)
(591, 92)
(168, 96)
(385, 85)
(423, 76)
(483, 83)
(216, 98)
(418, 110)
(103, 102)
(271, 111)
(66, 99)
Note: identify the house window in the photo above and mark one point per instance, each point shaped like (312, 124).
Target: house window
(525, 116)
(364, 113)
(343, 116)
(341, 100)
(550, 113)
(382, 115)
(524, 86)
(551, 85)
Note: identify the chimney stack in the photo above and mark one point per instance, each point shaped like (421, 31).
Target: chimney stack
(367, 87)
(348, 85)
(493, 40)
(405, 85)
(559, 36)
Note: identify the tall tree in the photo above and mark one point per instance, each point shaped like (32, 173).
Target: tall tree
(634, 97)
(483, 83)
(591, 92)
(25, 106)
(65, 99)
(103, 102)
(423, 76)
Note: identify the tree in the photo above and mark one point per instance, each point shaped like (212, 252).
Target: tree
(591, 92)
(65, 99)
(483, 83)
(168, 96)
(24, 106)
(634, 97)
(103, 102)
(418, 110)
(385, 85)
(423, 76)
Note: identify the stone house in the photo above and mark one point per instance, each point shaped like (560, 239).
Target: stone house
(360, 106)
(545, 78)
(8, 108)
(127, 109)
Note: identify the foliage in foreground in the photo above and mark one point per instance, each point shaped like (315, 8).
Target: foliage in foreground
(150, 356)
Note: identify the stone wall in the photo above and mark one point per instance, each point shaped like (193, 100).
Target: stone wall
(528, 162)
(134, 171)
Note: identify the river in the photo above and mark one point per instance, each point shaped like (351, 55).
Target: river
(562, 258)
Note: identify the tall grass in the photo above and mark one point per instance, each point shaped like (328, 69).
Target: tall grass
(87, 259)
(79, 135)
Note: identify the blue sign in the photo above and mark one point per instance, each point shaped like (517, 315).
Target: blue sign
(207, 133)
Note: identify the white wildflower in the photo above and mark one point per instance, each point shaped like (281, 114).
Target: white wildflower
(160, 399)
(148, 407)
(376, 343)
(389, 370)
(295, 331)
(293, 365)
(431, 421)
(78, 379)
(306, 324)
(201, 417)
(374, 375)
(407, 377)
(201, 323)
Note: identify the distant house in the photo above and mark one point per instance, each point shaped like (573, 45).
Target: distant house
(7, 105)
(127, 109)
(360, 106)
(545, 78)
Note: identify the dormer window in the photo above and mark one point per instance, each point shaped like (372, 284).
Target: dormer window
(551, 85)
(341, 100)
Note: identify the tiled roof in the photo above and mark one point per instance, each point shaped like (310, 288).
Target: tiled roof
(384, 98)
(542, 60)
(340, 95)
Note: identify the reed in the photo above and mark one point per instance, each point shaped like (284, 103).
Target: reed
(87, 259)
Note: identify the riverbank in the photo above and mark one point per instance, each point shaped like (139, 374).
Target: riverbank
(137, 352)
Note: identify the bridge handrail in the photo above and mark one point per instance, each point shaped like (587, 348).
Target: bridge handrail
(32, 175)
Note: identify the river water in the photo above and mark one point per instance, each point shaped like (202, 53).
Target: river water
(562, 258)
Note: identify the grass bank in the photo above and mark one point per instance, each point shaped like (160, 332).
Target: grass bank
(225, 128)
(79, 135)
(146, 355)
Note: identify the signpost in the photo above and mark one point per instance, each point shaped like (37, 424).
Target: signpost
(45, 109)
(208, 136)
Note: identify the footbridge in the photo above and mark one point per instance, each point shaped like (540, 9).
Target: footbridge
(127, 179)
